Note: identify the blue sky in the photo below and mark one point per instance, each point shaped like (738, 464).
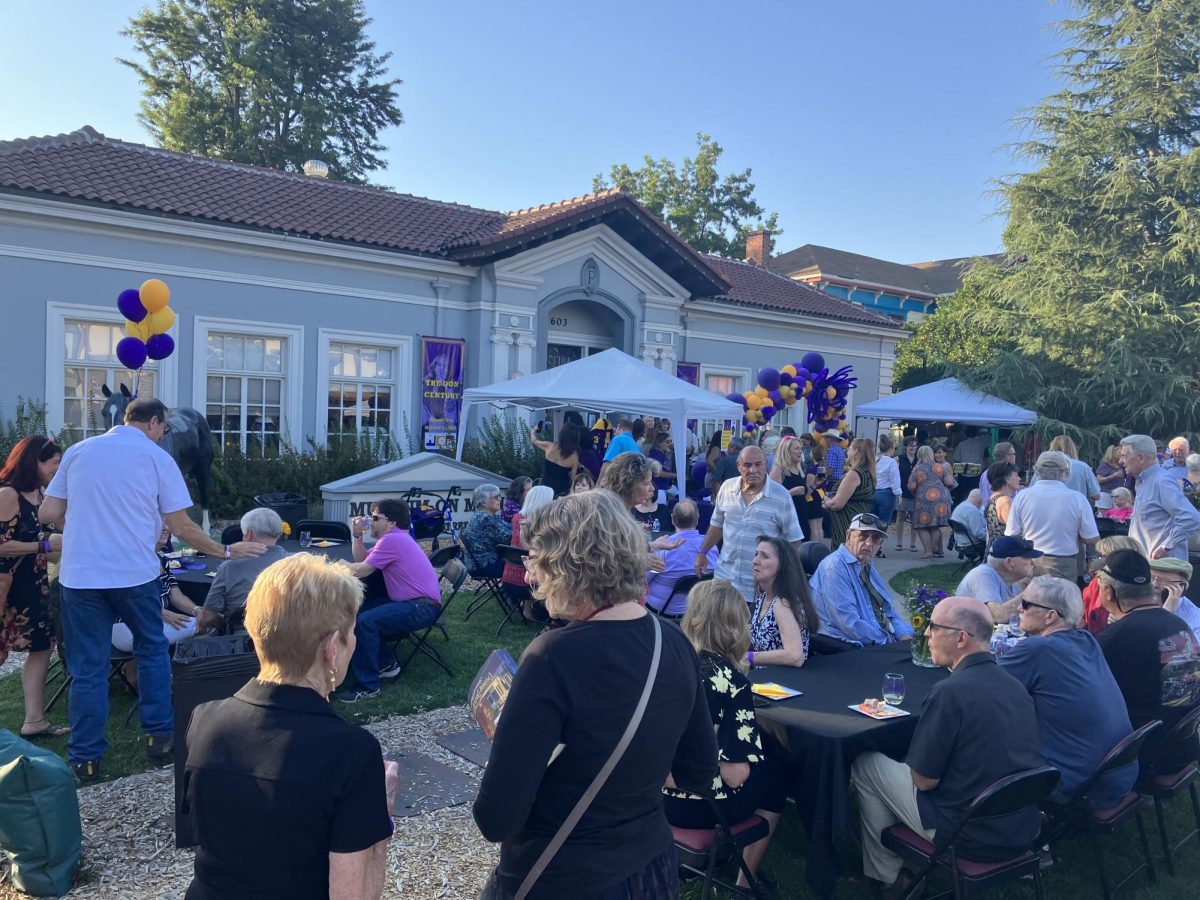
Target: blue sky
(870, 126)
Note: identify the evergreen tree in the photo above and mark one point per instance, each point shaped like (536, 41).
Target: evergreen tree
(267, 82)
(1095, 316)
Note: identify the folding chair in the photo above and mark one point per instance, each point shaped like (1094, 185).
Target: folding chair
(1077, 814)
(682, 587)
(514, 556)
(970, 550)
(491, 588)
(116, 670)
(1168, 785)
(1006, 796)
(455, 574)
(811, 553)
(702, 851)
(324, 528)
(231, 534)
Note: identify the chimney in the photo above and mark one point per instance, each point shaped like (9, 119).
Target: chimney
(758, 247)
(315, 168)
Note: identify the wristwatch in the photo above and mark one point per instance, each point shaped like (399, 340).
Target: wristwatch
(229, 551)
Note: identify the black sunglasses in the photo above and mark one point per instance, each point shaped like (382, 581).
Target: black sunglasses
(1027, 604)
(933, 624)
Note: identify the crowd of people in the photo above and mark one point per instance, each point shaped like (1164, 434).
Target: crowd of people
(631, 711)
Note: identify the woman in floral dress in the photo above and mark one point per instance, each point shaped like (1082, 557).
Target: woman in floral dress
(930, 483)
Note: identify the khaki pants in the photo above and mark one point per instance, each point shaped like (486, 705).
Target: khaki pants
(1062, 566)
(886, 795)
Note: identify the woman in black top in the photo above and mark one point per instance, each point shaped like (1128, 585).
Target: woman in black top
(284, 797)
(571, 700)
(562, 457)
(715, 623)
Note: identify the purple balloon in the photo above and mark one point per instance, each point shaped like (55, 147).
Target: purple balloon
(130, 305)
(768, 413)
(768, 378)
(814, 362)
(785, 379)
(737, 398)
(160, 346)
(131, 352)
(776, 397)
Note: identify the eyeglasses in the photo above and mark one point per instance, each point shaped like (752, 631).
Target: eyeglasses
(376, 518)
(1027, 604)
(933, 624)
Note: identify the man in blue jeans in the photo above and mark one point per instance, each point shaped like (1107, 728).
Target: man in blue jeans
(408, 599)
(113, 492)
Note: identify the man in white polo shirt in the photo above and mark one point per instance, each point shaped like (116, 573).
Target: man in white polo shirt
(1053, 518)
(112, 493)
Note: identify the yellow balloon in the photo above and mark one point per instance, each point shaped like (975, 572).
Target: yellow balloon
(139, 330)
(807, 389)
(753, 402)
(160, 322)
(843, 428)
(830, 393)
(154, 294)
(767, 404)
(762, 392)
(790, 400)
(790, 369)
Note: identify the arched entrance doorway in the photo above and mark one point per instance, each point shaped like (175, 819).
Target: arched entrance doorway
(576, 325)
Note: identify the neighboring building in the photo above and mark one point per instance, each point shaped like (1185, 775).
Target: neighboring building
(301, 301)
(894, 289)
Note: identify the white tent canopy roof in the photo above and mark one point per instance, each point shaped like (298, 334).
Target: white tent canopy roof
(606, 382)
(948, 400)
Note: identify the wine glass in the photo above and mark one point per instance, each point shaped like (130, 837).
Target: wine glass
(893, 689)
(305, 540)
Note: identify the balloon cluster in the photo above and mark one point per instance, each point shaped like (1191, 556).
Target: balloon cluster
(826, 393)
(147, 321)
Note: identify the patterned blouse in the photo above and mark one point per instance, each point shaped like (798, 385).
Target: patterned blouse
(731, 706)
(764, 630)
(995, 528)
(480, 537)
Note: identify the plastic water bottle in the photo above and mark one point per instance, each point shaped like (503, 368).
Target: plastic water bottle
(1001, 641)
(656, 527)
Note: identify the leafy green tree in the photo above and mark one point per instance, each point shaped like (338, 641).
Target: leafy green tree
(267, 82)
(943, 341)
(1096, 324)
(713, 214)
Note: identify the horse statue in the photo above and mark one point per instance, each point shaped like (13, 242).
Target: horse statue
(189, 442)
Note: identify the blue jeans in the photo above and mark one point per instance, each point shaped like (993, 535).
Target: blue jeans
(88, 616)
(883, 504)
(381, 619)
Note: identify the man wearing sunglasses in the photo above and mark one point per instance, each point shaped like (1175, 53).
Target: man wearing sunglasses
(1061, 664)
(976, 727)
(852, 599)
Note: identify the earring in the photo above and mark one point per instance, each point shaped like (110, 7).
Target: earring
(332, 681)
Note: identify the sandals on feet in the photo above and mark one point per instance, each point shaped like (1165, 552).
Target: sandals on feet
(50, 730)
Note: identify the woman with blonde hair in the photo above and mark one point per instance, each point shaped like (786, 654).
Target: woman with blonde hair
(930, 483)
(1110, 475)
(285, 798)
(1095, 616)
(610, 702)
(788, 470)
(855, 491)
(631, 477)
(747, 782)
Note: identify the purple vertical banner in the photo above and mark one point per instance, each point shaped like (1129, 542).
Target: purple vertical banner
(441, 391)
(689, 372)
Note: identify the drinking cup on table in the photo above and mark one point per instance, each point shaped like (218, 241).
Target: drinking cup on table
(305, 540)
(893, 689)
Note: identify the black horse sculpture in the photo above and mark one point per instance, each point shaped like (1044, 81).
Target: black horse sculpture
(189, 441)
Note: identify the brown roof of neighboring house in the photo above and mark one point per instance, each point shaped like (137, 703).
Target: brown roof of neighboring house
(947, 274)
(753, 285)
(934, 279)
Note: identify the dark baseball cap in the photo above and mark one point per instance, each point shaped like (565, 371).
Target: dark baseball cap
(1127, 566)
(1006, 547)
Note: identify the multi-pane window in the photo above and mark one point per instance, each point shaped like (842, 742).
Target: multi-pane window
(90, 354)
(245, 388)
(361, 383)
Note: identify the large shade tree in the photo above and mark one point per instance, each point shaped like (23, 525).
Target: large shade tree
(1093, 319)
(267, 82)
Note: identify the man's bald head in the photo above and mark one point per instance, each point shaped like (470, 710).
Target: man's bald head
(959, 627)
(969, 614)
(752, 451)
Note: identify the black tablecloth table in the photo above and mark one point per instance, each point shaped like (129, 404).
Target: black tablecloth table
(195, 582)
(821, 736)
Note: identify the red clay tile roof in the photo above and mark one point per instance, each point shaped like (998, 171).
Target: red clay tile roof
(758, 286)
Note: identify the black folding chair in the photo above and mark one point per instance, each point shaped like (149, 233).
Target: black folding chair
(702, 851)
(1165, 786)
(324, 528)
(231, 534)
(455, 574)
(1077, 814)
(940, 856)
(971, 550)
(513, 556)
(116, 671)
(681, 588)
(811, 553)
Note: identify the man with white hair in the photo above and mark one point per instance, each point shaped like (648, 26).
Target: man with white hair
(970, 516)
(1054, 518)
(1175, 464)
(1058, 663)
(997, 582)
(234, 578)
(1163, 519)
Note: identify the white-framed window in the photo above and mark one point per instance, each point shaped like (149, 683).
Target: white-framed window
(81, 359)
(722, 380)
(249, 375)
(363, 383)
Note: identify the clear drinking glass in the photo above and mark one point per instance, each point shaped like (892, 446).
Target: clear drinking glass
(893, 689)
(305, 540)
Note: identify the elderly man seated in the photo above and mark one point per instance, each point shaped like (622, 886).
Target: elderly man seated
(970, 516)
(226, 598)
(997, 581)
(1170, 577)
(977, 726)
(678, 562)
(853, 602)
(412, 599)
(1153, 655)
(1059, 663)
(1054, 518)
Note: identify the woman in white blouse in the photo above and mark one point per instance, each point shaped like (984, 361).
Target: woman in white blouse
(887, 481)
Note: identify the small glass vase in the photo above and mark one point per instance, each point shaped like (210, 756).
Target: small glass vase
(920, 652)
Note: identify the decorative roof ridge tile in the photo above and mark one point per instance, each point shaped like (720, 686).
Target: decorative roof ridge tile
(558, 205)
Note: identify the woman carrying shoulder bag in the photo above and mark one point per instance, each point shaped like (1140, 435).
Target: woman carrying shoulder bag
(600, 712)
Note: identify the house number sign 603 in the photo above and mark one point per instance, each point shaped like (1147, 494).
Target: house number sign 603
(558, 321)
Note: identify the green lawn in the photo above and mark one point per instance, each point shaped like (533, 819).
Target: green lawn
(425, 686)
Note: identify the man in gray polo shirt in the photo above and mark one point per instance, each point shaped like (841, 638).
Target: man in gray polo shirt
(234, 578)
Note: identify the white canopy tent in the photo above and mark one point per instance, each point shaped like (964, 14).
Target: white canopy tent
(948, 400)
(610, 381)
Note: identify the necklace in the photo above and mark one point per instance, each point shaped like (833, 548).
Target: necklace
(595, 612)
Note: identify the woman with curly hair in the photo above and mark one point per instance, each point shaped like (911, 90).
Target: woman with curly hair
(574, 696)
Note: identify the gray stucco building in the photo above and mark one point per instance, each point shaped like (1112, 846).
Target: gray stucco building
(301, 302)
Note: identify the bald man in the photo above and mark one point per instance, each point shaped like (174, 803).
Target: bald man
(743, 508)
(977, 726)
